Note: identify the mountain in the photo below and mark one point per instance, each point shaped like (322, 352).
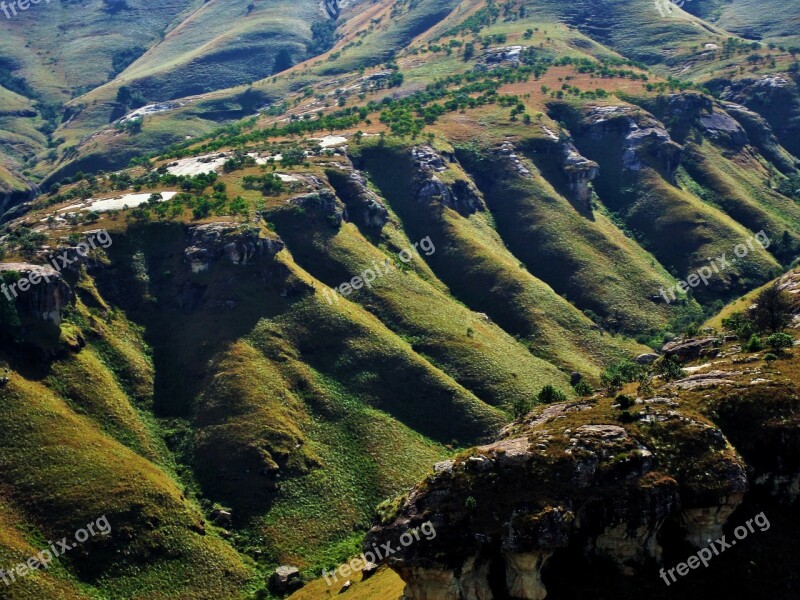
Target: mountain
(263, 265)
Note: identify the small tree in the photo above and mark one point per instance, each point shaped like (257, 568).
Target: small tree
(550, 394)
(772, 310)
(753, 344)
(582, 388)
(739, 324)
(780, 341)
(521, 407)
(624, 401)
(669, 368)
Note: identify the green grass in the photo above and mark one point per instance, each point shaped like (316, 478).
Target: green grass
(479, 355)
(481, 271)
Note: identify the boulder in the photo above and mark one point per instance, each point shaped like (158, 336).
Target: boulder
(368, 571)
(646, 359)
(222, 518)
(285, 579)
(690, 349)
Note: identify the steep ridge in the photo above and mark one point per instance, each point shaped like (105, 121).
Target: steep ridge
(475, 262)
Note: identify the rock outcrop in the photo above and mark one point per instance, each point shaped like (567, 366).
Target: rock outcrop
(761, 135)
(39, 293)
(461, 195)
(692, 348)
(776, 97)
(563, 479)
(578, 170)
(364, 207)
(321, 204)
(644, 140)
(239, 244)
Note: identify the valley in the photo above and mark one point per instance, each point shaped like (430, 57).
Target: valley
(525, 271)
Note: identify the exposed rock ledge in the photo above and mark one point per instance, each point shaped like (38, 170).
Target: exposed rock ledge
(42, 302)
(238, 243)
(604, 489)
(461, 195)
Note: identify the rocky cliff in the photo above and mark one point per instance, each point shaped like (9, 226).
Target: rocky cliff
(632, 484)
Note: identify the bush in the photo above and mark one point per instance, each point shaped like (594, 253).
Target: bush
(624, 401)
(669, 368)
(753, 344)
(780, 341)
(583, 389)
(770, 357)
(521, 407)
(740, 325)
(615, 375)
(550, 394)
(627, 417)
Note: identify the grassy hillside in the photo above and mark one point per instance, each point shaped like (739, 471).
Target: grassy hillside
(206, 389)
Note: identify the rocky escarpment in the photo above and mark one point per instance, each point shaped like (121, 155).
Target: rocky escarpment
(776, 97)
(461, 195)
(566, 479)
(761, 135)
(728, 125)
(578, 170)
(239, 244)
(38, 293)
(643, 139)
(364, 206)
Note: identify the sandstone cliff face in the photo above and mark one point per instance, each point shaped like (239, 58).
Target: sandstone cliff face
(775, 96)
(643, 139)
(239, 244)
(42, 302)
(760, 134)
(364, 206)
(578, 170)
(461, 195)
(563, 479)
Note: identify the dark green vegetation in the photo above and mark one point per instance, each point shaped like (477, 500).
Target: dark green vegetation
(208, 391)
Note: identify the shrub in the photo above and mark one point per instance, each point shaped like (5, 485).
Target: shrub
(740, 325)
(753, 344)
(550, 394)
(780, 341)
(619, 373)
(521, 407)
(770, 357)
(583, 389)
(669, 368)
(624, 401)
